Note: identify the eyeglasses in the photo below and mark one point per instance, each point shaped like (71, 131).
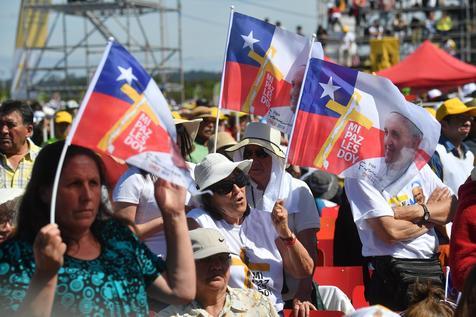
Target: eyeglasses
(225, 186)
(261, 153)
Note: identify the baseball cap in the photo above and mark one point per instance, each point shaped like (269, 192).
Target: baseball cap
(454, 106)
(63, 116)
(207, 242)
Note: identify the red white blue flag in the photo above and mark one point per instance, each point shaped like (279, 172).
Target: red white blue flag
(125, 115)
(262, 60)
(349, 123)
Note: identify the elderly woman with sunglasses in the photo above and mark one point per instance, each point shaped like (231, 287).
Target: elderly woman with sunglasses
(262, 144)
(263, 243)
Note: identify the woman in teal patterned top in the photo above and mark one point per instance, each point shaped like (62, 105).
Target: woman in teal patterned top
(89, 263)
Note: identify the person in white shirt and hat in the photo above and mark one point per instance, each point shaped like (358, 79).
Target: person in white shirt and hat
(133, 195)
(262, 144)
(264, 241)
(214, 296)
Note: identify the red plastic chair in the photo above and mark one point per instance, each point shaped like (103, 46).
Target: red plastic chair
(325, 252)
(325, 236)
(316, 313)
(358, 297)
(344, 277)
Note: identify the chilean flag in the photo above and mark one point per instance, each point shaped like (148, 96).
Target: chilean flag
(342, 121)
(261, 62)
(125, 115)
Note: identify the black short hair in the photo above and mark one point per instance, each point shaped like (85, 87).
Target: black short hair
(19, 106)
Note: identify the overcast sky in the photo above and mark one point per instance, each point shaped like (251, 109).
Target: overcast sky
(204, 28)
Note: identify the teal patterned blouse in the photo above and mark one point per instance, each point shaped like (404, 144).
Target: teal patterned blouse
(114, 284)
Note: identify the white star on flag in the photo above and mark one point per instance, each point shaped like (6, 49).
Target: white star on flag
(329, 89)
(249, 40)
(126, 74)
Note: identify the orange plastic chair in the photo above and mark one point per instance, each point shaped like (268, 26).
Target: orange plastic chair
(316, 313)
(330, 211)
(344, 277)
(328, 225)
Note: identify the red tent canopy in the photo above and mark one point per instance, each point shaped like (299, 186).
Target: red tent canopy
(430, 67)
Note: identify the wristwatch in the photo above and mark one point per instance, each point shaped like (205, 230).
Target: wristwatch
(289, 241)
(426, 213)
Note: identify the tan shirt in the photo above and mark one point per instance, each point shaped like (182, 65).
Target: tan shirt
(238, 302)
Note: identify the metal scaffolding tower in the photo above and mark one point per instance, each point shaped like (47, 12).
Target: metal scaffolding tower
(77, 35)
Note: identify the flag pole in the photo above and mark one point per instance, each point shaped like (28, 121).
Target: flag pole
(74, 126)
(295, 116)
(232, 10)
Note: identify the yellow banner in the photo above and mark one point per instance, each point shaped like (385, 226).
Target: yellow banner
(33, 23)
(384, 53)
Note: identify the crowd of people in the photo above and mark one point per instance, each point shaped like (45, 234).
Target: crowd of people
(128, 243)
(411, 22)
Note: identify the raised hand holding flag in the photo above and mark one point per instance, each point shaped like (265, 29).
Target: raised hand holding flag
(124, 114)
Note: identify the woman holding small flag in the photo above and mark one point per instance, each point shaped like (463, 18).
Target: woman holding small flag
(89, 263)
(262, 144)
(262, 242)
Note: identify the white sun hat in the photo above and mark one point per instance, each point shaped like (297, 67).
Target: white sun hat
(216, 167)
(263, 135)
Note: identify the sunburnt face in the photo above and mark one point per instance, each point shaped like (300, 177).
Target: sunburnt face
(13, 133)
(213, 272)
(79, 194)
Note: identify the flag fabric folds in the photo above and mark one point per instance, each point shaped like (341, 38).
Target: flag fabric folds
(262, 61)
(342, 122)
(125, 115)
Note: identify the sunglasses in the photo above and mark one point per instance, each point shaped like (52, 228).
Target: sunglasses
(261, 153)
(226, 186)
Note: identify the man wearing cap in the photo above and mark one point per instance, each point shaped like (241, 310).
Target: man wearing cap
(17, 152)
(205, 131)
(63, 120)
(214, 296)
(453, 161)
(262, 144)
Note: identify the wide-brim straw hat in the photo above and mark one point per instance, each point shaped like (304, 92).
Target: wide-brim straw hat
(206, 112)
(224, 139)
(191, 126)
(262, 135)
(216, 167)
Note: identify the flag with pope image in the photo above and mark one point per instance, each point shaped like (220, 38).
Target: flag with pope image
(358, 125)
